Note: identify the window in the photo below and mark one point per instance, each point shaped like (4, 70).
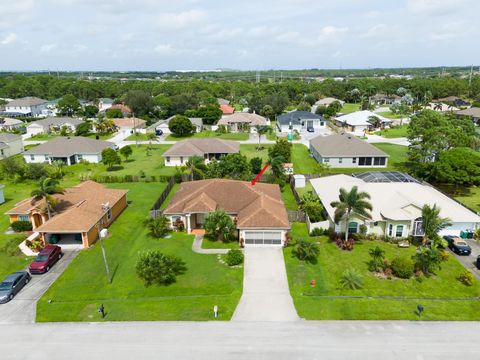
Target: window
(1, 151)
(340, 160)
(352, 227)
(109, 214)
(399, 231)
(379, 161)
(23, 218)
(326, 160)
(322, 123)
(32, 157)
(168, 159)
(80, 157)
(181, 159)
(390, 230)
(354, 160)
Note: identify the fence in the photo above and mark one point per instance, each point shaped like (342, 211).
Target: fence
(125, 178)
(296, 216)
(155, 210)
(294, 191)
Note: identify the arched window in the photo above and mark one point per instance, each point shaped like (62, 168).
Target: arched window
(418, 227)
(352, 227)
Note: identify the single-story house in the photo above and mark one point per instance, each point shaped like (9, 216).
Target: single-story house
(53, 124)
(358, 122)
(383, 99)
(9, 124)
(473, 112)
(227, 109)
(440, 107)
(79, 215)
(27, 106)
(163, 125)
(104, 104)
(235, 121)
(397, 200)
(10, 144)
(126, 111)
(69, 149)
(128, 125)
(208, 148)
(300, 120)
(327, 101)
(258, 210)
(346, 151)
(454, 100)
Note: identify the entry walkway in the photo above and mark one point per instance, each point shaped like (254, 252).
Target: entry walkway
(265, 288)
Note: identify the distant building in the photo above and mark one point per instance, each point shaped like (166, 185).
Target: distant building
(26, 107)
(300, 120)
(53, 124)
(358, 122)
(9, 124)
(10, 145)
(383, 99)
(473, 112)
(104, 104)
(235, 121)
(227, 109)
(162, 125)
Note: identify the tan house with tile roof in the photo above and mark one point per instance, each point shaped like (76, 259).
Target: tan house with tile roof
(235, 121)
(208, 148)
(78, 216)
(258, 211)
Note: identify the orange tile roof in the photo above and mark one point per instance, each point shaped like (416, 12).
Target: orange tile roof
(123, 108)
(227, 109)
(130, 122)
(258, 206)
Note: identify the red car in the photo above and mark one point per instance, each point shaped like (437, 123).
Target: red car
(45, 259)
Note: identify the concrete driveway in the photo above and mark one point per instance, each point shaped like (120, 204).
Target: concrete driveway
(23, 308)
(469, 261)
(266, 296)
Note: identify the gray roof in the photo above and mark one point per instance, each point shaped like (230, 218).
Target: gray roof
(194, 121)
(70, 145)
(27, 101)
(344, 145)
(6, 137)
(473, 111)
(10, 121)
(56, 121)
(296, 117)
(201, 146)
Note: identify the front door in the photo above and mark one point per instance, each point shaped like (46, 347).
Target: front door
(37, 220)
(200, 219)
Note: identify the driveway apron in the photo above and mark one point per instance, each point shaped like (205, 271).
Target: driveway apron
(266, 296)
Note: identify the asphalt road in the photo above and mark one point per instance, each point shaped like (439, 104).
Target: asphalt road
(242, 340)
(23, 308)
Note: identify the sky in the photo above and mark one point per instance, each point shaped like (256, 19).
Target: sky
(160, 35)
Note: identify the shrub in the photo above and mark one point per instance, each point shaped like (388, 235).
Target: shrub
(351, 279)
(317, 232)
(444, 255)
(466, 278)
(306, 251)
(158, 227)
(402, 267)
(21, 226)
(219, 224)
(153, 267)
(35, 245)
(234, 257)
(363, 230)
(35, 171)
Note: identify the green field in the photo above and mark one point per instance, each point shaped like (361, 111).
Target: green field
(303, 163)
(391, 115)
(205, 134)
(288, 198)
(315, 304)
(395, 132)
(252, 150)
(83, 287)
(349, 108)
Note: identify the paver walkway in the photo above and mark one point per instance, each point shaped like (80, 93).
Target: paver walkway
(265, 288)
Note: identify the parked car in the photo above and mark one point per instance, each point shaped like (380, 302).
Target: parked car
(12, 284)
(158, 132)
(310, 129)
(458, 245)
(477, 262)
(46, 259)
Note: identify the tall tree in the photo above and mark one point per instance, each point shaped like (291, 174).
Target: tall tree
(110, 157)
(45, 188)
(351, 203)
(261, 130)
(433, 223)
(181, 125)
(68, 105)
(197, 168)
(139, 101)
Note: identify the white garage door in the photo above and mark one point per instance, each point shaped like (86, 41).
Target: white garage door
(263, 238)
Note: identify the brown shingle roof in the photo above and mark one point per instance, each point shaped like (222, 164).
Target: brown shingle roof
(130, 122)
(78, 209)
(259, 206)
(123, 108)
(70, 145)
(344, 145)
(202, 146)
(27, 101)
(241, 117)
(473, 111)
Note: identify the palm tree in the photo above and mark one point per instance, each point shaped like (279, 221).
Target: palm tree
(351, 202)
(46, 187)
(276, 163)
(432, 223)
(374, 121)
(151, 137)
(377, 254)
(261, 130)
(196, 166)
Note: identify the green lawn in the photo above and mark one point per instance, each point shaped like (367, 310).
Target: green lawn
(205, 134)
(311, 303)
(470, 196)
(288, 198)
(251, 151)
(41, 137)
(152, 165)
(102, 136)
(137, 136)
(303, 163)
(390, 115)
(349, 108)
(394, 132)
(83, 287)
(209, 243)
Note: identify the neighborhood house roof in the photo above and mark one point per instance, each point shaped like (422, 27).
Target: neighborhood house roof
(26, 101)
(440, 107)
(259, 206)
(297, 117)
(7, 138)
(473, 112)
(78, 208)
(68, 146)
(203, 146)
(55, 121)
(344, 145)
(10, 122)
(241, 117)
(227, 109)
(360, 118)
(130, 122)
(123, 108)
(394, 200)
(327, 101)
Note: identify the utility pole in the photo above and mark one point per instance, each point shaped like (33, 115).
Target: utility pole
(470, 77)
(258, 77)
(104, 211)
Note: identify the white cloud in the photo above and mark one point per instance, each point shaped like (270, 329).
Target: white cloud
(330, 33)
(48, 48)
(182, 19)
(378, 30)
(8, 39)
(166, 50)
(436, 7)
